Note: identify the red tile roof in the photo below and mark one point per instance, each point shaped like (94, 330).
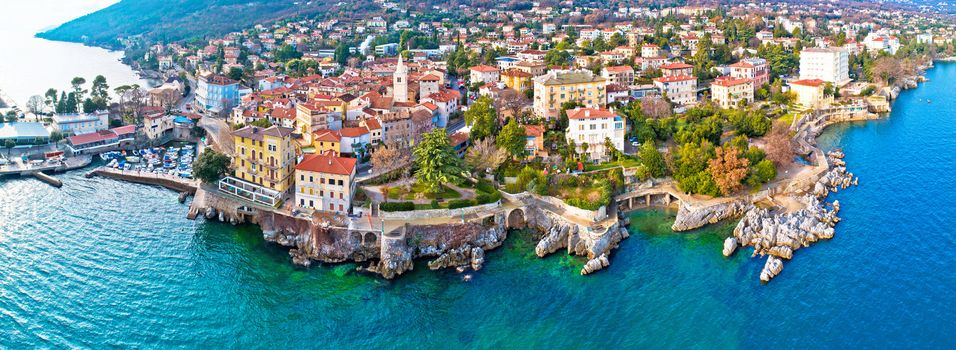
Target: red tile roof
(674, 78)
(676, 65)
(589, 113)
(327, 163)
(619, 69)
(808, 82)
(730, 81)
(353, 132)
(484, 68)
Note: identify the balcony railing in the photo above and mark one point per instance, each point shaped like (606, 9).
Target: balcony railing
(249, 191)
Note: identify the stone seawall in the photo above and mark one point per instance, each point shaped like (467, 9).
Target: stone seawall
(175, 184)
(461, 246)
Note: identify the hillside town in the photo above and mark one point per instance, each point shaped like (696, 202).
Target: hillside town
(438, 110)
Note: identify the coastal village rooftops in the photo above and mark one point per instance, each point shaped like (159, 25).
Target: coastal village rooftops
(516, 73)
(216, 79)
(533, 130)
(676, 65)
(558, 77)
(353, 132)
(484, 68)
(730, 81)
(257, 133)
(675, 78)
(327, 163)
(590, 113)
(327, 136)
(619, 69)
(284, 113)
(808, 82)
(102, 135)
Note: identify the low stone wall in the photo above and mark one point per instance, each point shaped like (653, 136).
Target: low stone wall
(440, 213)
(560, 206)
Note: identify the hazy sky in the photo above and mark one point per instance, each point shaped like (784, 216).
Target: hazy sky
(29, 66)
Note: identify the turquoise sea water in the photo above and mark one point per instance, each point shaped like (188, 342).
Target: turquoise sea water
(101, 263)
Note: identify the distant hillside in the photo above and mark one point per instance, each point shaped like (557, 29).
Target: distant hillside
(175, 20)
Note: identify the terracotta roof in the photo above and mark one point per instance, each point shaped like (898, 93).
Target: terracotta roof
(730, 81)
(327, 135)
(742, 64)
(327, 163)
(588, 113)
(284, 113)
(458, 138)
(372, 124)
(516, 73)
(674, 78)
(808, 82)
(534, 130)
(430, 106)
(353, 132)
(484, 68)
(445, 95)
(676, 65)
(619, 69)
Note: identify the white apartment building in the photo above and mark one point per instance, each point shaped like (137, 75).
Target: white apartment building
(680, 89)
(592, 126)
(727, 91)
(828, 64)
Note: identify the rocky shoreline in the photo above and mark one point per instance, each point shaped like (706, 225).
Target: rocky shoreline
(459, 246)
(778, 233)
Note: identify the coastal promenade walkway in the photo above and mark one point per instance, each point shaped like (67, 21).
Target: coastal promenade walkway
(176, 183)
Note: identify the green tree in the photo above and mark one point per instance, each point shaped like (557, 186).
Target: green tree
(99, 93)
(211, 166)
(235, 73)
(556, 57)
(436, 161)
(652, 159)
(56, 137)
(512, 138)
(482, 117)
(9, 144)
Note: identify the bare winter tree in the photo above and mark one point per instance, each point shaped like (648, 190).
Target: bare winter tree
(35, 104)
(510, 103)
(389, 157)
(655, 107)
(485, 154)
(779, 146)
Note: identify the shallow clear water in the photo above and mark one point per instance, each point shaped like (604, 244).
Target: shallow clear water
(100, 263)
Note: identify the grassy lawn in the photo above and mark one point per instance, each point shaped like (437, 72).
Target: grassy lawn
(399, 193)
(788, 118)
(627, 163)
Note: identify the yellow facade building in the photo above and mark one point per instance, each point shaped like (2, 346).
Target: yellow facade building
(265, 157)
(560, 86)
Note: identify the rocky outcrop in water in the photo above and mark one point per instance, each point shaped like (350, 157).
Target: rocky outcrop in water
(689, 218)
(778, 234)
(595, 264)
(595, 243)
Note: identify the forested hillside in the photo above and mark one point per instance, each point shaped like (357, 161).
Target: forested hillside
(174, 20)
